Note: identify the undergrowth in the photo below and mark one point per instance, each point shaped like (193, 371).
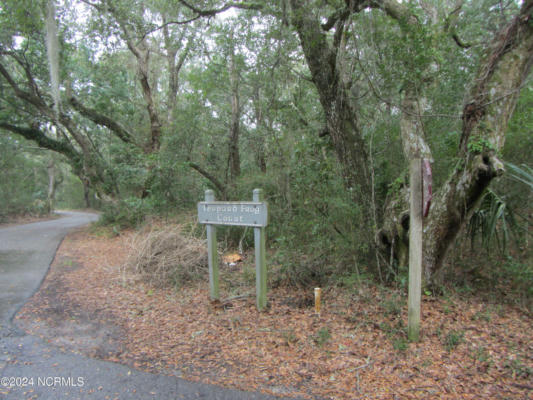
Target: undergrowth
(168, 256)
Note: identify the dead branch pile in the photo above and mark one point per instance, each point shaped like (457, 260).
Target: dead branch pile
(168, 257)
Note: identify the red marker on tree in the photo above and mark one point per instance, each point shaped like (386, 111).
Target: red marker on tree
(427, 194)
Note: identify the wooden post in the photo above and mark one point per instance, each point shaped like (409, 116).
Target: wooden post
(318, 293)
(260, 259)
(415, 250)
(212, 254)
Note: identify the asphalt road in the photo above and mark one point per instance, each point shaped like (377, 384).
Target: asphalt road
(32, 369)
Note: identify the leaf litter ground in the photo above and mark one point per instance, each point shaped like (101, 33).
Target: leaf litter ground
(470, 349)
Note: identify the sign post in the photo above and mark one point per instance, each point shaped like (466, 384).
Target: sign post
(415, 250)
(212, 252)
(242, 213)
(260, 258)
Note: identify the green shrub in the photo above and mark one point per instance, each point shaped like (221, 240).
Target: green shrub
(517, 368)
(400, 344)
(127, 213)
(322, 336)
(453, 339)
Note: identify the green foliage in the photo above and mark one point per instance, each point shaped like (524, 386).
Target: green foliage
(351, 280)
(330, 220)
(519, 140)
(480, 146)
(322, 336)
(453, 339)
(400, 182)
(70, 193)
(492, 221)
(130, 212)
(518, 276)
(521, 173)
(318, 234)
(23, 179)
(518, 368)
(289, 336)
(400, 344)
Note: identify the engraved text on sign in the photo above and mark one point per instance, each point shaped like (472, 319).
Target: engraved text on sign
(233, 213)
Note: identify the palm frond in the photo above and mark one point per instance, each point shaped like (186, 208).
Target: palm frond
(494, 221)
(522, 173)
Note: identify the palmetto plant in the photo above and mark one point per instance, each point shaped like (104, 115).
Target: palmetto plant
(522, 173)
(495, 220)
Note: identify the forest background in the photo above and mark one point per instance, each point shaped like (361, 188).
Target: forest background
(136, 107)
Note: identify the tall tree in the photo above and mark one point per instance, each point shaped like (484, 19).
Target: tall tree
(234, 159)
(502, 72)
(325, 60)
(369, 78)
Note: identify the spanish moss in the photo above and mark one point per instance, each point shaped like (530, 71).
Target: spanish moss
(52, 47)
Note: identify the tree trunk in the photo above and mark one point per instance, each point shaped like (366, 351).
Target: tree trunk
(173, 85)
(325, 61)
(52, 185)
(143, 56)
(394, 236)
(485, 118)
(491, 102)
(234, 159)
(341, 113)
(86, 193)
(172, 45)
(260, 143)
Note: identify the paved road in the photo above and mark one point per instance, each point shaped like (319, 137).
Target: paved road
(31, 369)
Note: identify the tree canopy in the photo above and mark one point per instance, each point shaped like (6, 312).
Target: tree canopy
(321, 103)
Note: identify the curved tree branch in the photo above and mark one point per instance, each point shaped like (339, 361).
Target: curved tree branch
(46, 110)
(36, 135)
(168, 23)
(214, 11)
(100, 119)
(489, 87)
(211, 178)
(450, 26)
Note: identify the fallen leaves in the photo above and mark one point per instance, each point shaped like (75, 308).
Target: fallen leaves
(231, 258)
(356, 349)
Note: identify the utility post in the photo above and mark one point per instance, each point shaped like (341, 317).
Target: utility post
(415, 250)
(260, 258)
(212, 253)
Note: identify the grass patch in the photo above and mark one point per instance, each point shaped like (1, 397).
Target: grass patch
(322, 336)
(453, 339)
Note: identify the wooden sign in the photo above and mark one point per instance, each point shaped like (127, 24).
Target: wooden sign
(233, 213)
(242, 213)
